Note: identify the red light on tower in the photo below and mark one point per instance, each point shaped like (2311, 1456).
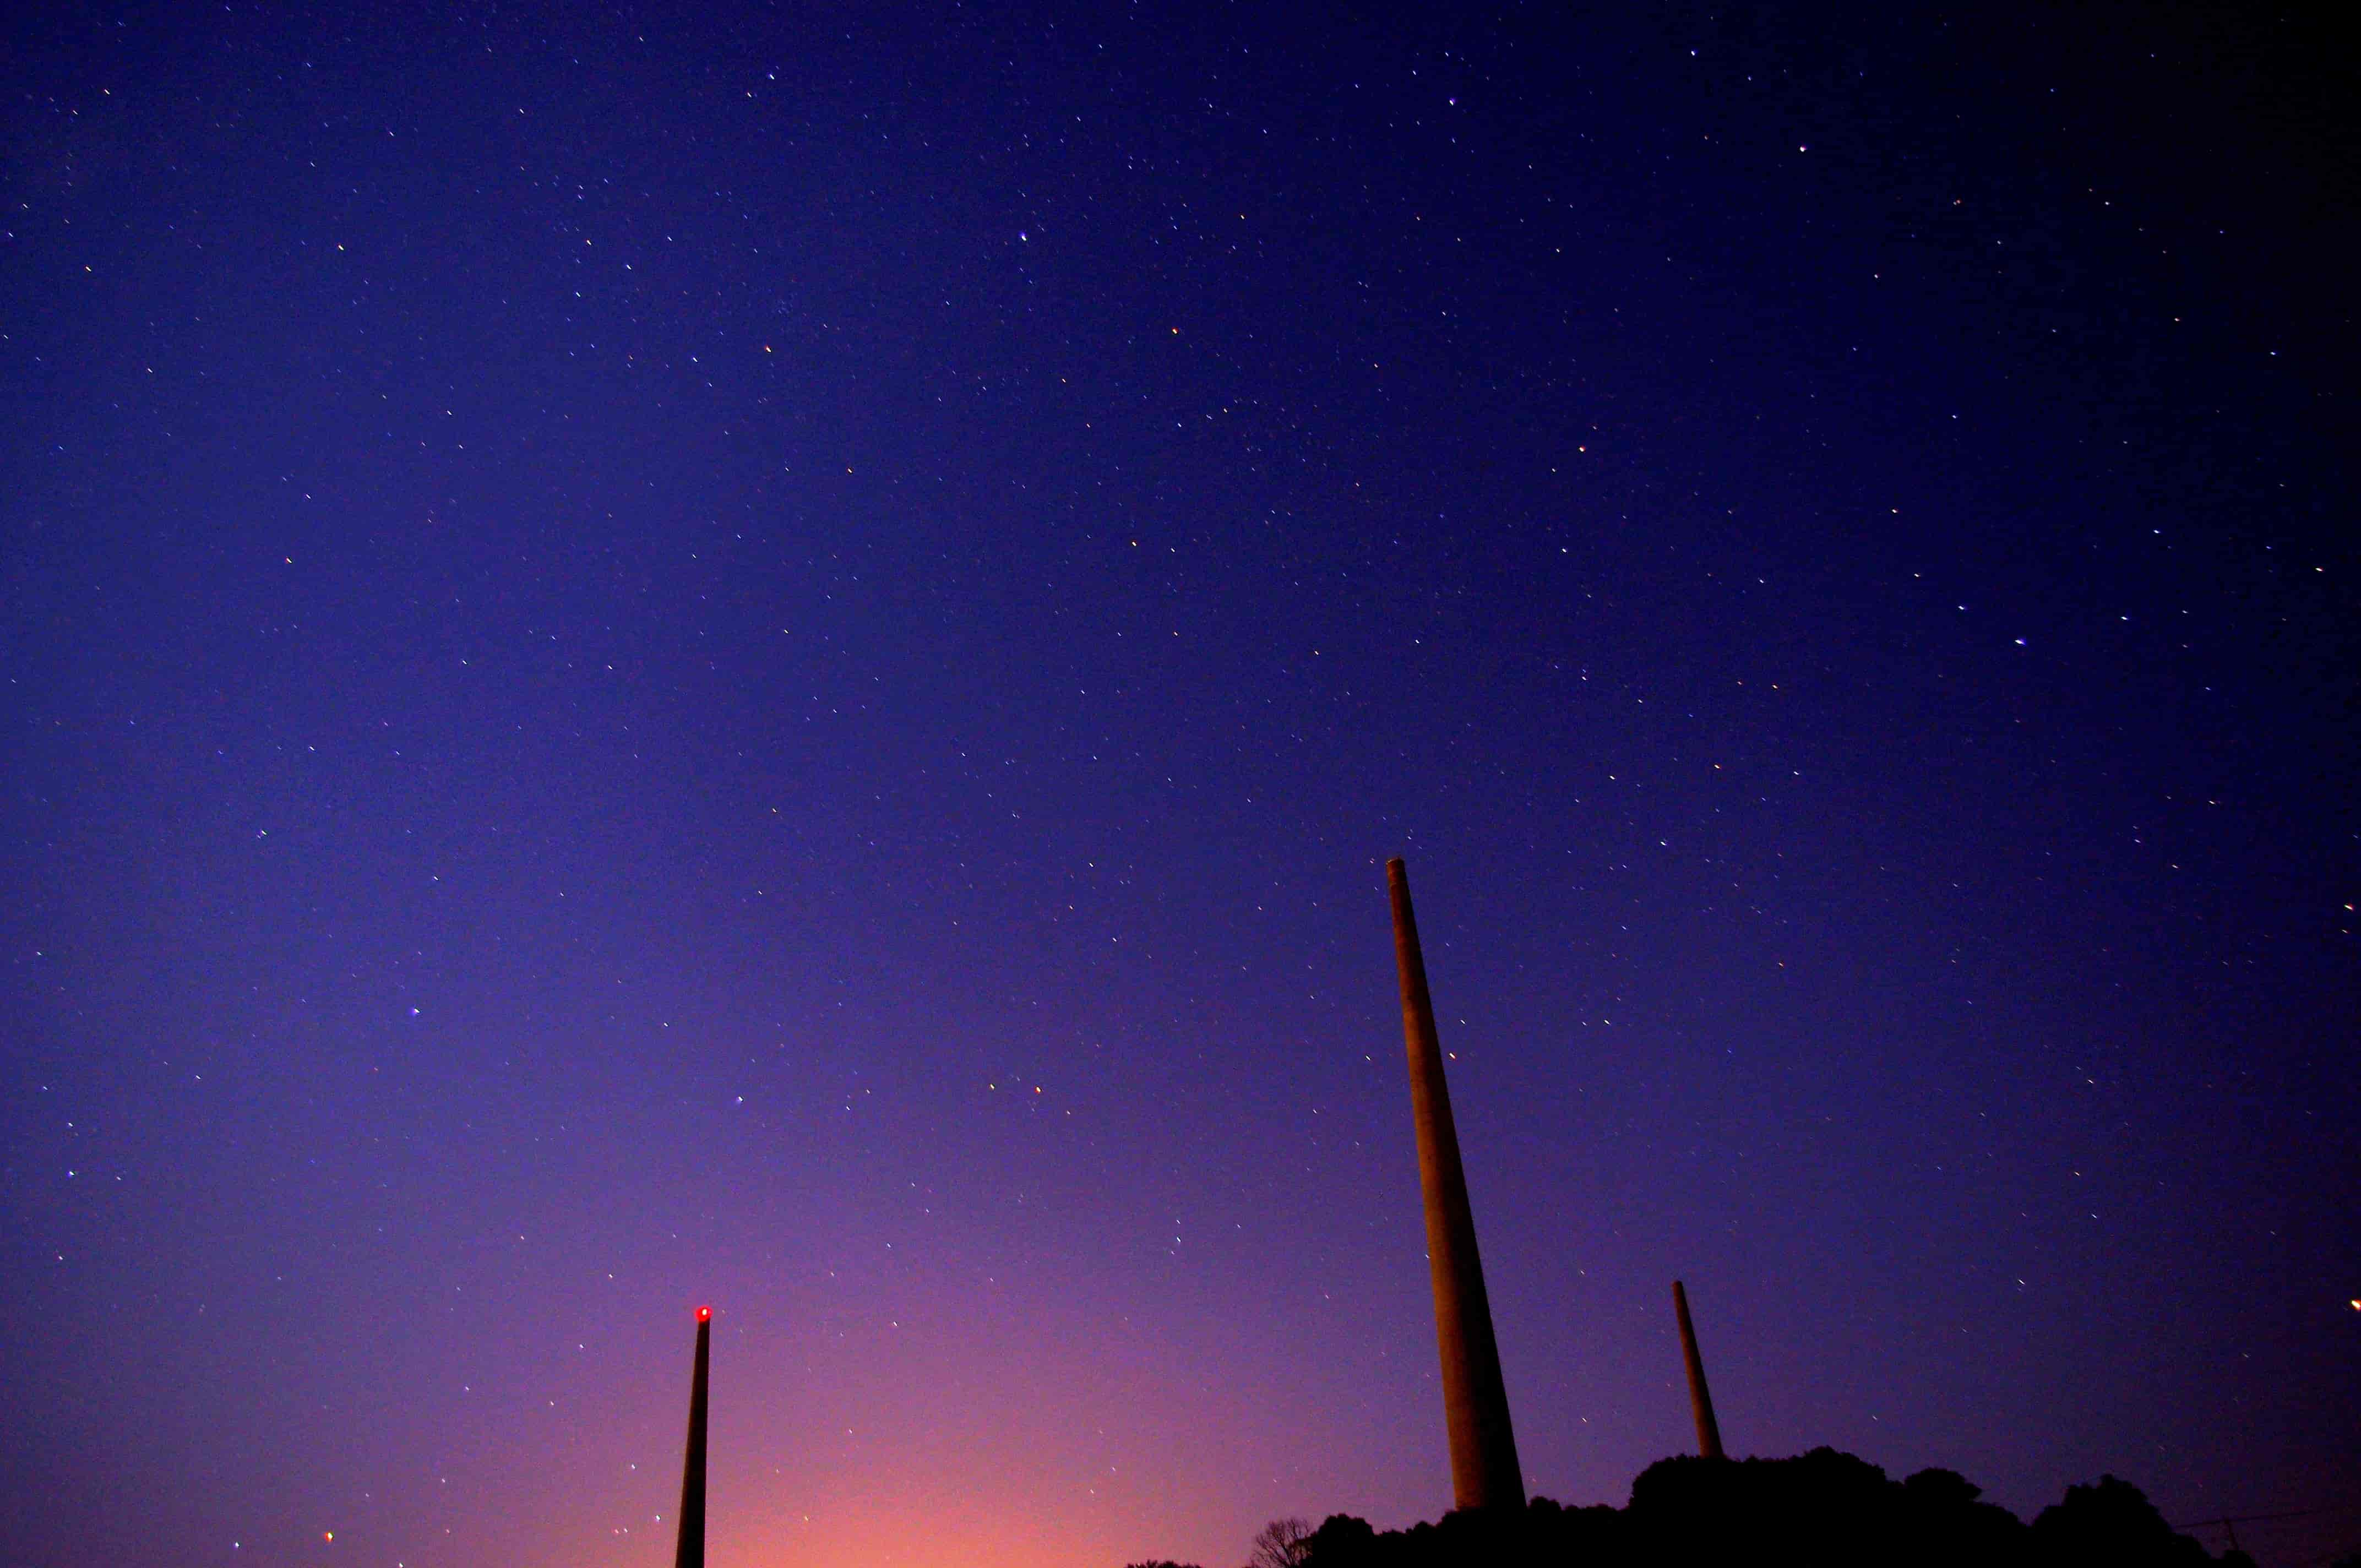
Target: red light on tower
(704, 1314)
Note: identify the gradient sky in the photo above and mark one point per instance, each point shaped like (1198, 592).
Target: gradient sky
(664, 654)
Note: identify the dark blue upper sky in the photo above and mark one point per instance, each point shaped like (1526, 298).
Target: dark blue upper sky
(769, 655)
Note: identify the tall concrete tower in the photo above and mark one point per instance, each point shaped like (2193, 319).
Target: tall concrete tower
(1700, 1403)
(1483, 1470)
(690, 1553)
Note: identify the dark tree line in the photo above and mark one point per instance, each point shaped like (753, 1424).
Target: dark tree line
(1825, 1508)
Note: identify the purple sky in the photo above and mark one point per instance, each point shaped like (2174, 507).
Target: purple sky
(769, 657)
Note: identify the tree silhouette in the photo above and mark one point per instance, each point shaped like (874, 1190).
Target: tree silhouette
(1829, 1508)
(1281, 1543)
(2112, 1521)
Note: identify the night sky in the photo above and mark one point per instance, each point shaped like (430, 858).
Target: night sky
(661, 655)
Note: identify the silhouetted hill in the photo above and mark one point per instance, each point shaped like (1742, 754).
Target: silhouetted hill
(1827, 1508)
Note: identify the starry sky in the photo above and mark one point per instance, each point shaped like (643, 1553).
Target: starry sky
(663, 654)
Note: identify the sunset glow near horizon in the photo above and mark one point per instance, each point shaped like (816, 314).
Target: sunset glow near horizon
(756, 668)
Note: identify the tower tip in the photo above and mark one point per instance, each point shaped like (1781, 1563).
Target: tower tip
(704, 1314)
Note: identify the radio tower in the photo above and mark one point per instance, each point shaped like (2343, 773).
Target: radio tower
(1700, 1403)
(1484, 1471)
(691, 1551)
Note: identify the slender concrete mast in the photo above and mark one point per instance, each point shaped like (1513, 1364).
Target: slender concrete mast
(691, 1551)
(1483, 1470)
(1700, 1403)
